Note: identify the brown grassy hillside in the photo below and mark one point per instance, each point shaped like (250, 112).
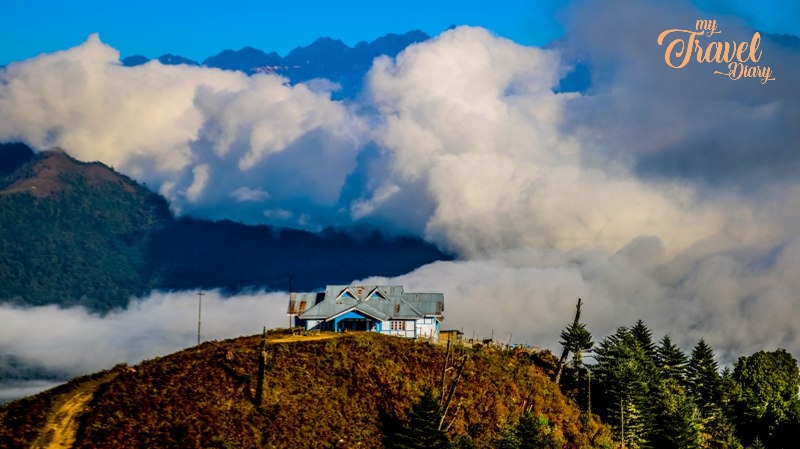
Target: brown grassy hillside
(346, 391)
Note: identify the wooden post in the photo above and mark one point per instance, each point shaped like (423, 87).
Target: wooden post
(444, 370)
(446, 406)
(262, 365)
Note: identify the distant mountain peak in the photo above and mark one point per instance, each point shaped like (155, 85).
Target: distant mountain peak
(170, 59)
(326, 57)
(246, 59)
(48, 173)
(166, 59)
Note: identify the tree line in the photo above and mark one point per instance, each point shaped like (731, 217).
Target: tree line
(651, 393)
(654, 395)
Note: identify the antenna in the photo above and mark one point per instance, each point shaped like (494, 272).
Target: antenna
(199, 314)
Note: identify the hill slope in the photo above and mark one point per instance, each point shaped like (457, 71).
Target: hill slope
(76, 233)
(348, 390)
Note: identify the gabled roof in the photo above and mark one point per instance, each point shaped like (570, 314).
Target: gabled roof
(381, 302)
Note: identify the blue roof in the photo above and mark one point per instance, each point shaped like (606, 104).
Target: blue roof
(380, 302)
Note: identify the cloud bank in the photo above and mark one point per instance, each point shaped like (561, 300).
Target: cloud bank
(656, 193)
(75, 341)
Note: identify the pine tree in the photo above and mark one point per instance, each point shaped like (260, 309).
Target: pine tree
(627, 378)
(507, 439)
(576, 339)
(703, 379)
(644, 337)
(705, 389)
(671, 361)
(422, 429)
(534, 432)
(677, 423)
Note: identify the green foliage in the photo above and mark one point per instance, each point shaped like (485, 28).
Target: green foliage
(677, 422)
(507, 439)
(767, 405)
(422, 429)
(84, 243)
(644, 337)
(535, 432)
(671, 361)
(532, 431)
(576, 339)
(757, 444)
(704, 380)
(627, 378)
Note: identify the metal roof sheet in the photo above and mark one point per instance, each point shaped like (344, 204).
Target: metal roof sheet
(384, 302)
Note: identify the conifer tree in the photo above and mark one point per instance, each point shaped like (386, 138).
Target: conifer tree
(677, 423)
(576, 339)
(626, 377)
(671, 361)
(703, 379)
(705, 389)
(422, 429)
(644, 337)
(534, 432)
(507, 438)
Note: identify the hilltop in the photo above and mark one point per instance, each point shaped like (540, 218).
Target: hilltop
(80, 233)
(336, 390)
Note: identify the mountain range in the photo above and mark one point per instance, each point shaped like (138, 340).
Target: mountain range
(78, 233)
(325, 58)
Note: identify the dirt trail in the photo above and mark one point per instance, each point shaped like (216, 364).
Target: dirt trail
(61, 427)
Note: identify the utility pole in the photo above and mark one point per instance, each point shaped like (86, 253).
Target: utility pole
(291, 323)
(199, 315)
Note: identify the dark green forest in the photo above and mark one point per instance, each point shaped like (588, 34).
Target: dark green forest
(76, 233)
(654, 395)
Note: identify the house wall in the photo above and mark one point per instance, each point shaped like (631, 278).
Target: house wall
(428, 328)
(400, 328)
(317, 325)
(422, 328)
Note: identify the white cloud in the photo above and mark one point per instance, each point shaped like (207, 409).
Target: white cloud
(472, 120)
(244, 194)
(76, 341)
(461, 140)
(194, 133)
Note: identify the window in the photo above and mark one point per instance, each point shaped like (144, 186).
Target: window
(398, 325)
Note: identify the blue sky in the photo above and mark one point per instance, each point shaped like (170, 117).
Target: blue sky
(202, 28)
(198, 29)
